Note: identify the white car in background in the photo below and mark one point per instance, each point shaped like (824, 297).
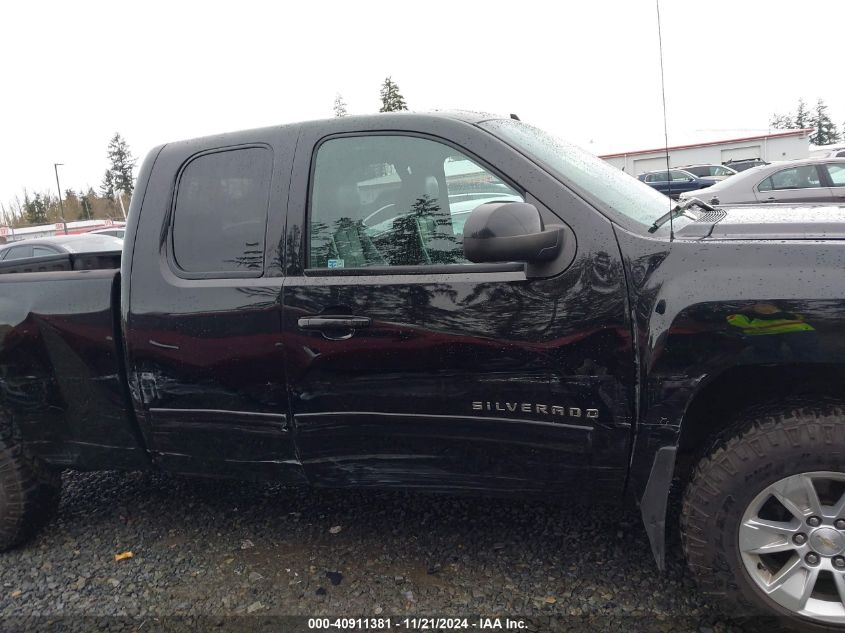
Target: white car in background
(114, 231)
(811, 180)
(837, 150)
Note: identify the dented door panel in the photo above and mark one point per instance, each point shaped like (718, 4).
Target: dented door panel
(206, 364)
(62, 381)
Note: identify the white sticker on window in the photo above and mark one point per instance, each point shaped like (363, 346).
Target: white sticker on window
(335, 263)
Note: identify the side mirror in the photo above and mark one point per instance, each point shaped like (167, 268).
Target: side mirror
(509, 232)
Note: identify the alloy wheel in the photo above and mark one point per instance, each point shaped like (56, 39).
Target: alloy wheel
(792, 542)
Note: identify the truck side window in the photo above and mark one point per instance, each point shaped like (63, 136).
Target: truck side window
(220, 215)
(394, 201)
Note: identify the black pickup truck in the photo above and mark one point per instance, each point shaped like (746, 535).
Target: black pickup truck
(455, 303)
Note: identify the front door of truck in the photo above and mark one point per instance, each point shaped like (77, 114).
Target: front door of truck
(203, 329)
(410, 366)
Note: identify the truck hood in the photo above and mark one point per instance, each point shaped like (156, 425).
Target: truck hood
(768, 222)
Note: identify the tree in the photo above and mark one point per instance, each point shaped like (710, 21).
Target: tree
(107, 186)
(802, 116)
(73, 210)
(12, 213)
(7, 218)
(824, 130)
(122, 164)
(85, 202)
(18, 211)
(36, 208)
(391, 99)
(781, 122)
(339, 106)
(800, 120)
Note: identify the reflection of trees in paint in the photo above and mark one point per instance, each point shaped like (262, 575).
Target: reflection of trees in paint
(252, 257)
(591, 290)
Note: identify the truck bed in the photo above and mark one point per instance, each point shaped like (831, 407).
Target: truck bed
(62, 376)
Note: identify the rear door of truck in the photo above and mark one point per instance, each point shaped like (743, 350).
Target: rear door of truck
(202, 312)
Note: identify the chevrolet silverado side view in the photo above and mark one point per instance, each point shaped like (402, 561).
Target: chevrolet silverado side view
(453, 302)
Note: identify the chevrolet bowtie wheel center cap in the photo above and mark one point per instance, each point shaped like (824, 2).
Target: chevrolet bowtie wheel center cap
(827, 541)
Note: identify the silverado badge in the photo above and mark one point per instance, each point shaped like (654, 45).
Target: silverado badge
(530, 407)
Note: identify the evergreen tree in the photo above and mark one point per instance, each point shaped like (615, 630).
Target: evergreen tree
(824, 130)
(107, 186)
(391, 99)
(802, 116)
(122, 164)
(339, 106)
(36, 209)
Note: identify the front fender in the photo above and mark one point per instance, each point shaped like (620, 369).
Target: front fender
(703, 308)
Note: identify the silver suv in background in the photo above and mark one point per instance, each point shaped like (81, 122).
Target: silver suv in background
(712, 172)
(820, 180)
(745, 163)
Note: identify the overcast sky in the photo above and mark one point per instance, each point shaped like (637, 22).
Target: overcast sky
(73, 73)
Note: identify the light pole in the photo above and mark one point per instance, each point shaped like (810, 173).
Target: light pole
(59, 187)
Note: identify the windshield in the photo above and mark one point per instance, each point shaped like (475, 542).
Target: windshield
(591, 176)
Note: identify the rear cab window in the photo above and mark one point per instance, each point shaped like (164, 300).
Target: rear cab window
(220, 213)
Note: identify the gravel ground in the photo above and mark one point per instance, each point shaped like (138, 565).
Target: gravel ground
(205, 552)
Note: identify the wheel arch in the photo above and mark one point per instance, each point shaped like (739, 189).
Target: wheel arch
(666, 454)
(720, 400)
(798, 437)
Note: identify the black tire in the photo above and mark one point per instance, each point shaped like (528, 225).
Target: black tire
(29, 493)
(767, 445)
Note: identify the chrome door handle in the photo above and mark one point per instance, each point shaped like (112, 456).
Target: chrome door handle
(323, 323)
